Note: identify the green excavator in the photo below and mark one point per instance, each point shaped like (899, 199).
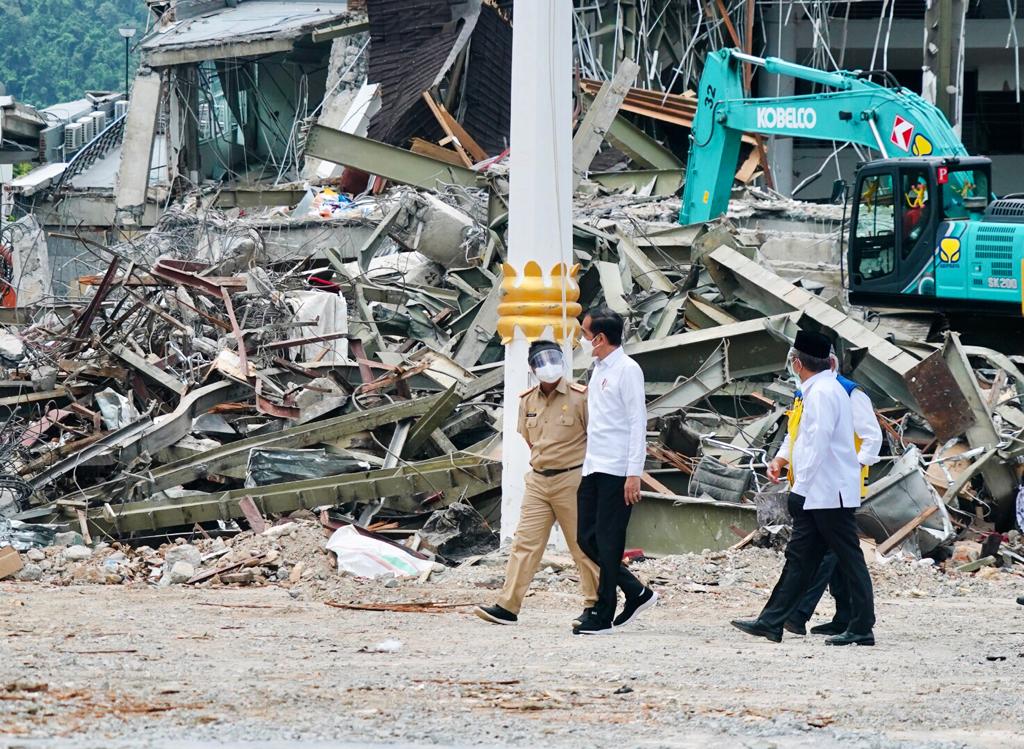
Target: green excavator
(926, 231)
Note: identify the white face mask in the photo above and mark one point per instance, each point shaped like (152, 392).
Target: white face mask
(549, 373)
(587, 346)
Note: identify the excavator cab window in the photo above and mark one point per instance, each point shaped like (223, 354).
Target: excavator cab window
(874, 238)
(964, 191)
(916, 208)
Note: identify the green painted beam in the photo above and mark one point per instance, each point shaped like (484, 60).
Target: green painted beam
(641, 147)
(662, 525)
(666, 181)
(395, 164)
(457, 478)
(237, 453)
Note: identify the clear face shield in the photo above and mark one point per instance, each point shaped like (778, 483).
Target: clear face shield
(790, 369)
(548, 365)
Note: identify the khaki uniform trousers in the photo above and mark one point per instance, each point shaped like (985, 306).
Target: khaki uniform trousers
(547, 499)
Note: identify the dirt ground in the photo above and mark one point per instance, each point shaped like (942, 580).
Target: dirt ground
(134, 665)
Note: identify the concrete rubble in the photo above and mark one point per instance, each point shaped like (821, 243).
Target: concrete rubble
(229, 379)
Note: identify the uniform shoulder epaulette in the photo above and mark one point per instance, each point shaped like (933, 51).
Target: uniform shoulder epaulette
(528, 391)
(578, 387)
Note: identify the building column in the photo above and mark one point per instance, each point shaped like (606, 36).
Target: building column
(539, 289)
(781, 42)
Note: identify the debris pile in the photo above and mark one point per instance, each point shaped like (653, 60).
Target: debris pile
(337, 352)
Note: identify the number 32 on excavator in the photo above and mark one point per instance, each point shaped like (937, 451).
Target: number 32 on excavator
(925, 229)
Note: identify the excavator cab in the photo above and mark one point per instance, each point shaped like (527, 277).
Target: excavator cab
(909, 219)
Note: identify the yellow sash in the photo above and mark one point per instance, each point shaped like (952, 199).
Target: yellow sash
(793, 428)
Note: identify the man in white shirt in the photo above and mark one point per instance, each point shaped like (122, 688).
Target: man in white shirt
(868, 442)
(824, 495)
(614, 461)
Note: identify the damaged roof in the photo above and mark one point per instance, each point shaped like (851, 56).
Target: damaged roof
(247, 22)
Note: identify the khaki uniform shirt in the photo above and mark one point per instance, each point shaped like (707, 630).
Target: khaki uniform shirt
(555, 425)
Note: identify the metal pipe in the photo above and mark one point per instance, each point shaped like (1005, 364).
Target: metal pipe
(784, 67)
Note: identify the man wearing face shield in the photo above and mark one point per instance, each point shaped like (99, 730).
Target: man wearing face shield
(553, 421)
(868, 442)
(825, 492)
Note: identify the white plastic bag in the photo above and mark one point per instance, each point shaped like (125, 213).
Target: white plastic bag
(363, 556)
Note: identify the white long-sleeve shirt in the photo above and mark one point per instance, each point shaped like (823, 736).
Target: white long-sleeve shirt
(865, 426)
(824, 460)
(617, 426)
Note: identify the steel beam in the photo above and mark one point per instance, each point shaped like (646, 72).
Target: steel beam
(665, 181)
(712, 375)
(431, 421)
(640, 147)
(456, 478)
(753, 350)
(663, 524)
(599, 117)
(394, 164)
(234, 454)
(886, 366)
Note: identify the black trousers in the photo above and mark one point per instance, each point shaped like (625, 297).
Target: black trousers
(814, 533)
(827, 576)
(602, 517)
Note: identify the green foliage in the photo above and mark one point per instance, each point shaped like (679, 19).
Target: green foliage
(54, 50)
(20, 170)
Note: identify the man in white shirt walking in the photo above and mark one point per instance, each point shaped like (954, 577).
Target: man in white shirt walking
(868, 442)
(824, 495)
(614, 461)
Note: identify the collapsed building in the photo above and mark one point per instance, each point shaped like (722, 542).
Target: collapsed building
(272, 285)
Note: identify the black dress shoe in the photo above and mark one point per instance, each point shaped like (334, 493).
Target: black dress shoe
(582, 617)
(1020, 600)
(795, 627)
(828, 629)
(852, 638)
(755, 628)
(495, 614)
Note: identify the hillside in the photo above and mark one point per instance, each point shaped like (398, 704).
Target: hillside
(52, 51)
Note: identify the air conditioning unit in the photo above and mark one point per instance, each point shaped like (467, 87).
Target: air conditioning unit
(72, 137)
(87, 128)
(99, 120)
(120, 109)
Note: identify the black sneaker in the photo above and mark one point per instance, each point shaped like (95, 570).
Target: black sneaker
(582, 617)
(591, 625)
(634, 608)
(495, 614)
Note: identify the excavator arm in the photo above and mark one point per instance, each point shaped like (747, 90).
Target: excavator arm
(890, 119)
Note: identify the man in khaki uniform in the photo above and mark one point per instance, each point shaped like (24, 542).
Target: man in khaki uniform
(553, 421)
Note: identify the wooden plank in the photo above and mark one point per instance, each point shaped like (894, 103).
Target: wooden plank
(464, 142)
(252, 514)
(599, 117)
(436, 111)
(435, 151)
(656, 485)
(903, 533)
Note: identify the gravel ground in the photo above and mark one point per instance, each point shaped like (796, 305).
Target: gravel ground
(273, 666)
